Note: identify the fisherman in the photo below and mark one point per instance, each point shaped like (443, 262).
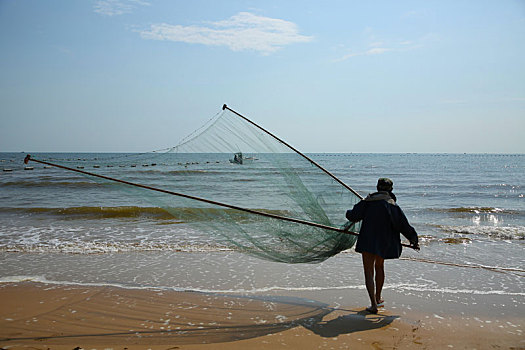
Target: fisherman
(379, 238)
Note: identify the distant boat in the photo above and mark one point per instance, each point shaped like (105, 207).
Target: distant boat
(238, 158)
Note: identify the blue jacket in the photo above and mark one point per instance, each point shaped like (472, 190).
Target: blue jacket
(383, 220)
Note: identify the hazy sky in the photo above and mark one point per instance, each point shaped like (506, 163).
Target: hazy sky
(326, 76)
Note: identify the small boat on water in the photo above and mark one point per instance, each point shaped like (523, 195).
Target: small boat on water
(239, 158)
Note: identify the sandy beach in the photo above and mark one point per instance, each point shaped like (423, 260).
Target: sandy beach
(47, 316)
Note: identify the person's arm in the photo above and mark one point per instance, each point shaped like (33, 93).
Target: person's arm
(357, 213)
(407, 230)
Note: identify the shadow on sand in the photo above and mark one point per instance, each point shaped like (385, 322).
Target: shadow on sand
(352, 321)
(114, 316)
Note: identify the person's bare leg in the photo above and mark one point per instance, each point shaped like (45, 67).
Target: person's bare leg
(368, 266)
(379, 278)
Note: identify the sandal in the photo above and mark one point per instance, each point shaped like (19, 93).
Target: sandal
(372, 311)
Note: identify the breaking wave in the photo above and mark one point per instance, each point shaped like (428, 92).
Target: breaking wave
(396, 286)
(96, 213)
(496, 232)
(112, 247)
(479, 210)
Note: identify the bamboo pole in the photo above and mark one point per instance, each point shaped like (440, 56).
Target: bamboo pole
(295, 150)
(224, 106)
(251, 211)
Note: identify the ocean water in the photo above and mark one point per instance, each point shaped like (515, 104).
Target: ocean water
(58, 226)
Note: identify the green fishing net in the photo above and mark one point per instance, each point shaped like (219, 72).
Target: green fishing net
(232, 161)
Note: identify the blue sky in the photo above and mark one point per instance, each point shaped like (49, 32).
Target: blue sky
(327, 76)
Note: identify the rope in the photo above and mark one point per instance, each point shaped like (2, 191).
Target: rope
(490, 268)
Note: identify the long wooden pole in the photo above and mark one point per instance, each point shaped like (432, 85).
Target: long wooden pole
(224, 106)
(295, 150)
(251, 211)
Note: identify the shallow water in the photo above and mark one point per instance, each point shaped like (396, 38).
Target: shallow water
(469, 210)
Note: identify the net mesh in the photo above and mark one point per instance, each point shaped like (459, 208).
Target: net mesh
(232, 161)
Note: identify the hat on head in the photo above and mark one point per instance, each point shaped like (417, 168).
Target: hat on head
(384, 184)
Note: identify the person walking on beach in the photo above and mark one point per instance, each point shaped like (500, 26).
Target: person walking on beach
(379, 238)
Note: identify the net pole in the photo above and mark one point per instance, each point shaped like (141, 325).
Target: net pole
(295, 150)
(224, 106)
(251, 211)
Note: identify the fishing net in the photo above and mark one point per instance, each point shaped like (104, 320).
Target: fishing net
(232, 161)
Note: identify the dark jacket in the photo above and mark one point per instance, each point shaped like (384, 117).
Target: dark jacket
(383, 220)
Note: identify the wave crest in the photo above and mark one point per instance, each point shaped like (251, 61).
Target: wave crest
(499, 232)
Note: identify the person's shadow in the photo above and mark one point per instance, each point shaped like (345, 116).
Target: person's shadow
(234, 318)
(354, 321)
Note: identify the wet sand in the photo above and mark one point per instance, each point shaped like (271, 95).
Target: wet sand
(46, 316)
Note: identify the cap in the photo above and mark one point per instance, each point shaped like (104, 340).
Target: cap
(384, 184)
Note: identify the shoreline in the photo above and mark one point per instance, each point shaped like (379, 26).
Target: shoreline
(48, 316)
